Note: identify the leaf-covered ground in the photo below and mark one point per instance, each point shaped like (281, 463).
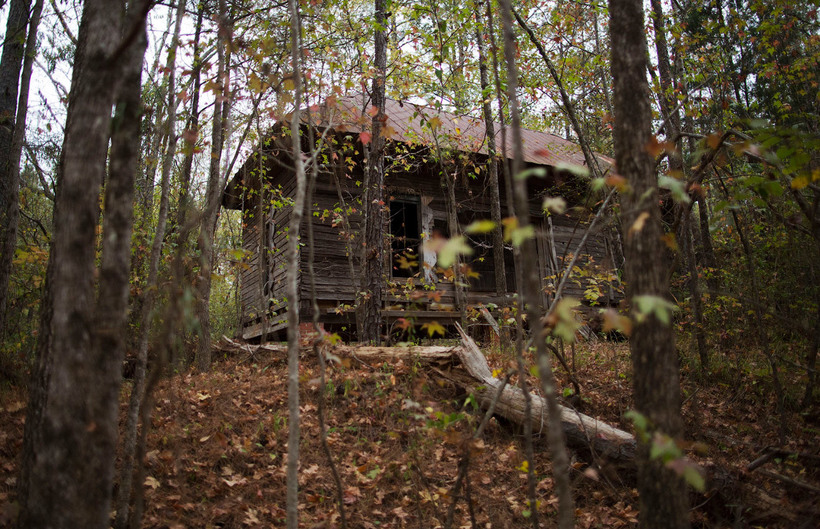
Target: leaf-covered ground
(217, 450)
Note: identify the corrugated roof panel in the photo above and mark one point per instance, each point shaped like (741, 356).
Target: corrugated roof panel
(416, 124)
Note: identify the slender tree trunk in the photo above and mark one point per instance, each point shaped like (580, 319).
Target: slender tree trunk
(760, 327)
(532, 289)
(569, 108)
(10, 219)
(112, 303)
(694, 293)
(205, 241)
(663, 494)
(71, 427)
(600, 70)
(191, 133)
(708, 258)
(319, 342)
(146, 307)
(155, 141)
(669, 111)
(292, 275)
(492, 165)
(449, 183)
(14, 46)
(814, 347)
(373, 267)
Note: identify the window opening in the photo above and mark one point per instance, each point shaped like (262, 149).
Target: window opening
(405, 234)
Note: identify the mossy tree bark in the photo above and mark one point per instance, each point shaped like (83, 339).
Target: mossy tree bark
(71, 426)
(663, 495)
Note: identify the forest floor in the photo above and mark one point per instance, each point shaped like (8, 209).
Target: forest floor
(218, 448)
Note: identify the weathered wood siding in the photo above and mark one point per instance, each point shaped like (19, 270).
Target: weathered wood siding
(418, 297)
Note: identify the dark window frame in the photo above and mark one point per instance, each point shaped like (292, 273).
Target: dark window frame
(404, 228)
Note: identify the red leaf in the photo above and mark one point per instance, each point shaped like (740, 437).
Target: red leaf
(365, 137)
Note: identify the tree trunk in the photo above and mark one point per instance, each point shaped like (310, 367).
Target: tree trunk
(146, 307)
(600, 70)
(9, 218)
(669, 113)
(707, 252)
(155, 140)
(71, 427)
(655, 365)
(10, 65)
(292, 274)
(371, 304)
(694, 293)
(532, 288)
(569, 108)
(492, 166)
(205, 241)
(191, 133)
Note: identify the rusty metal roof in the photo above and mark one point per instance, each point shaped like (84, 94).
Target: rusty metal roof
(423, 125)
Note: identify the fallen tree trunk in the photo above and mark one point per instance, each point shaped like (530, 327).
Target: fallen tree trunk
(584, 433)
(597, 440)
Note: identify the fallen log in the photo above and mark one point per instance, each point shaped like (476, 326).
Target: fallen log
(584, 433)
(595, 439)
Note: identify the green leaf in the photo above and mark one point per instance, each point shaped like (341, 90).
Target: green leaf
(694, 478)
(519, 235)
(565, 323)
(641, 423)
(454, 247)
(555, 205)
(577, 170)
(664, 448)
(654, 305)
(676, 187)
(480, 227)
(540, 172)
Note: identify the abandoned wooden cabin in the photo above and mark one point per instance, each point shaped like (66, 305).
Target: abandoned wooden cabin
(424, 146)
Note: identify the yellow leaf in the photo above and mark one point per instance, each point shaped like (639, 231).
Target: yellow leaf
(639, 222)
(671, 241)
(388, 132)
(480, 226)
(433, 327)
(800, 182)
(452, 249)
